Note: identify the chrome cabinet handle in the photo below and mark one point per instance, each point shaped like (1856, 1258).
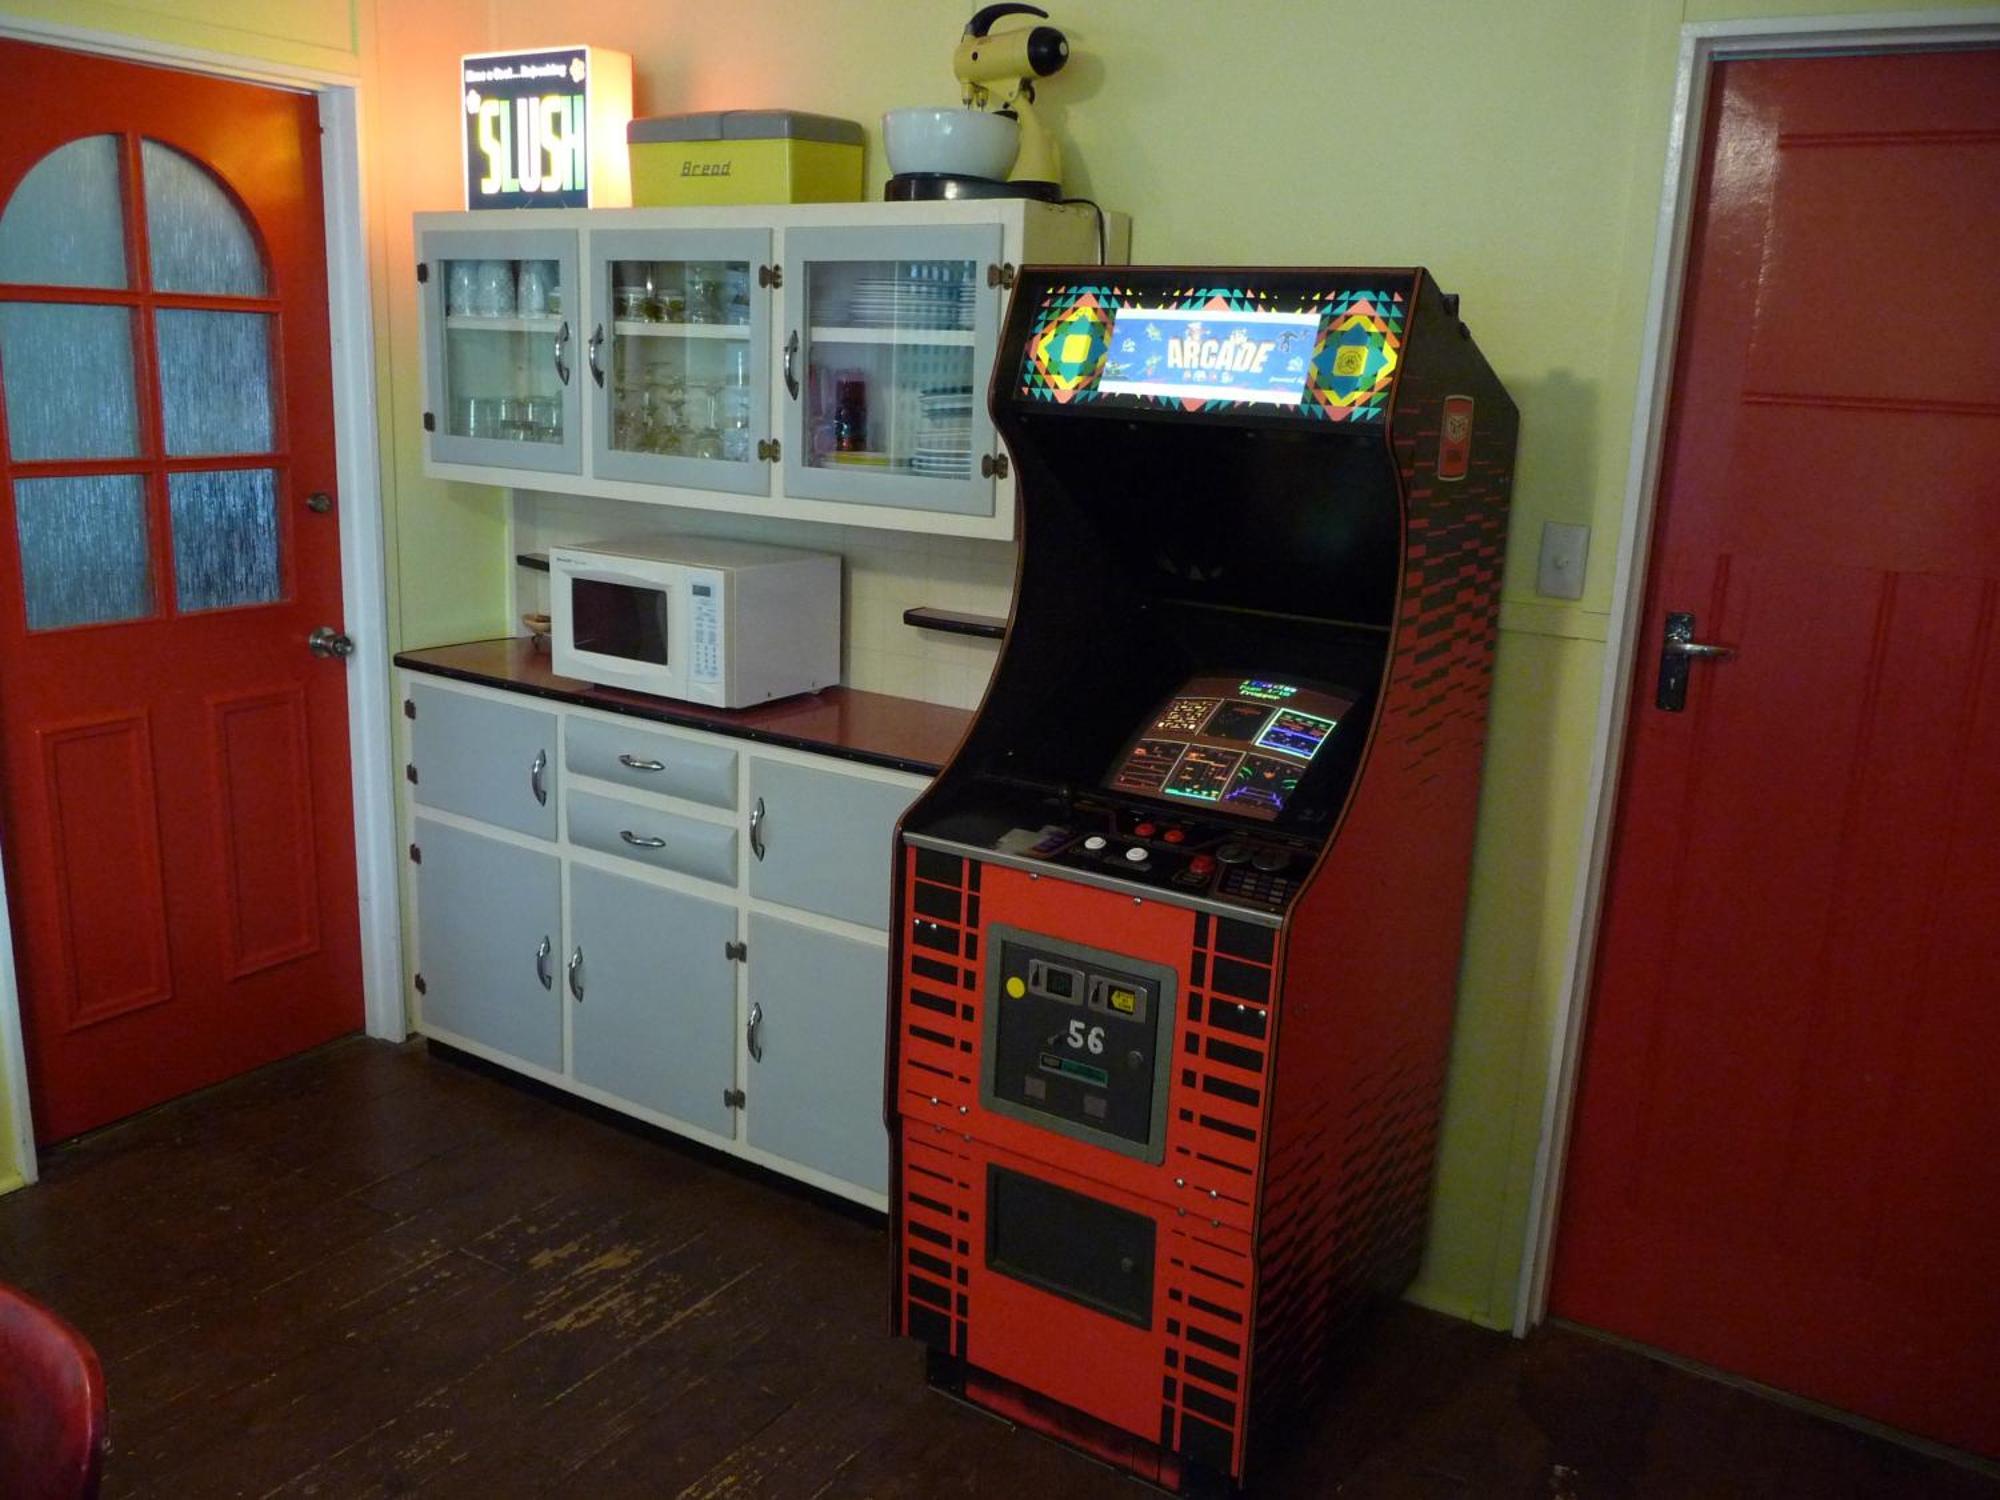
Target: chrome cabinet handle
(757, 829)
(596, 343)
(574, 968)
(756, 1043)
(638, 840)
(536, 784)
(543, 970)
(562, 352)
(792, 365)
(634, 763)
(1678, 647)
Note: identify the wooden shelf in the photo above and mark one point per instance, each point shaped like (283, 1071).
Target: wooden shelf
(464, 323)
(955, 622)
(935, 338)
(637, 328)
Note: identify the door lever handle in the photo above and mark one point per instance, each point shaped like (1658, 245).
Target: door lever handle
(1678, 647)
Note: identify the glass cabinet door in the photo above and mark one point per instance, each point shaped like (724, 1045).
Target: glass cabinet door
(680, 338)
(888, 347)
(501, 351)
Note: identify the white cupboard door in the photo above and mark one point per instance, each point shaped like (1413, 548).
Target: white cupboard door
(652, 995)
(818, 1007)
(888, 342)
(503, 342)
(489, 927)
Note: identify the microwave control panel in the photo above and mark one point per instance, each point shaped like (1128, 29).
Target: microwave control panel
(705, 627)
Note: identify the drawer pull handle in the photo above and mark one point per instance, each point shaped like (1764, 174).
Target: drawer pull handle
(750, 1036)
(634, 763)
(575, 969)
(543, 970)
(757, 829)
(536, 772)
(640, 840)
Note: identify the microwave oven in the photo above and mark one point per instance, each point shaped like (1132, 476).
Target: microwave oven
(722, 623)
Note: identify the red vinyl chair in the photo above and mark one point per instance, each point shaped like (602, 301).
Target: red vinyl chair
(52, 1411)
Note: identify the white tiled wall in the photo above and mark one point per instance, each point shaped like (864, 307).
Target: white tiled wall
(886, 573)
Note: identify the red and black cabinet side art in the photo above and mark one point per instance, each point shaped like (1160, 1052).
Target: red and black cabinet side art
(934, 1088)
(1374, 943)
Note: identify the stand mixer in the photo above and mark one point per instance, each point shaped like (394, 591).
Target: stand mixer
(998, 71)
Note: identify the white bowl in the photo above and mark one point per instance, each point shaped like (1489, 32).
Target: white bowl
(960, 142)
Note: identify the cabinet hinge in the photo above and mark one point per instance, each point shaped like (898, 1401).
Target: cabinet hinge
(1000, 275)
(732, 1099)
(409, 708)
(423, 272)
(736, 953)
(992, 467)
(422, 988)
(410, 774)
(416, 854)
(770, 276)
(430, 422)
(768, 450)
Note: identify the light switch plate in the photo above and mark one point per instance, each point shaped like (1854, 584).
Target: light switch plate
(1565, 549)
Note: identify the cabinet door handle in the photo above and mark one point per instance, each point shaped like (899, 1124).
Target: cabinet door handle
(596, 343)
(536, 771)
(792, 364)
(757, 829)
(574, 968)
(639, 840)
(562, 352)
(634, 763)
(543, 969)
(750, 1036)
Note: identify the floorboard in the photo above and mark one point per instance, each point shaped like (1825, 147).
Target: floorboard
(372, 1271)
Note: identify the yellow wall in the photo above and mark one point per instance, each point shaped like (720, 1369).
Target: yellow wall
(1515, 149)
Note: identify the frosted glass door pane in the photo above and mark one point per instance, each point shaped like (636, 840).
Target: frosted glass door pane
(680, 361)
(225, 537)
(65, 226)
(215, 382)
(68, 372)
(84, 556)
(199, 239)
(889, 374)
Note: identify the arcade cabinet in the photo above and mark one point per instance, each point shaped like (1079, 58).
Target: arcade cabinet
(1178, 928)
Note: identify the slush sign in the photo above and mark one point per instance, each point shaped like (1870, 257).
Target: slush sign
(530, 122)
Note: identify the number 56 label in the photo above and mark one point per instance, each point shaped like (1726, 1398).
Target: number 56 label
(1089, 1040)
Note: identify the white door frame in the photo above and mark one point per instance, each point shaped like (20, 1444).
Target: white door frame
(364, 584)
(1701, 47)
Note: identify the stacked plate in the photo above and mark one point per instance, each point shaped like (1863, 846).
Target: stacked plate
(944, 442)
(904, 302)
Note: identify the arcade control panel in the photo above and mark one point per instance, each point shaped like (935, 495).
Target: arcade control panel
(1193, 857)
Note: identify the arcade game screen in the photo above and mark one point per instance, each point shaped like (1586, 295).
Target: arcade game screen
(1234, 744)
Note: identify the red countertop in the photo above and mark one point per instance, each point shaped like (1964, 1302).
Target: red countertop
(900, 733)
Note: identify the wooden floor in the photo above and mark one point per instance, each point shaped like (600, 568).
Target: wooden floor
(373, 1272)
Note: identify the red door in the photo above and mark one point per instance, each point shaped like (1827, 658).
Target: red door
(1784, 1162)
(173, 760)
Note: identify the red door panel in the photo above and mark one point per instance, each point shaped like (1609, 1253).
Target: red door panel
(174, 779)
(1783, 1160)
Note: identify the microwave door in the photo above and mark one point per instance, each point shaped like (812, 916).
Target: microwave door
(625, 626)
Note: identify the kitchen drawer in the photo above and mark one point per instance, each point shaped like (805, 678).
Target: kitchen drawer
(651, 762)
(484, 759)
(706, 851)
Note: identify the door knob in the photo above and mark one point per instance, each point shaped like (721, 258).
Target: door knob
(326, 641)
(1677, 649)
